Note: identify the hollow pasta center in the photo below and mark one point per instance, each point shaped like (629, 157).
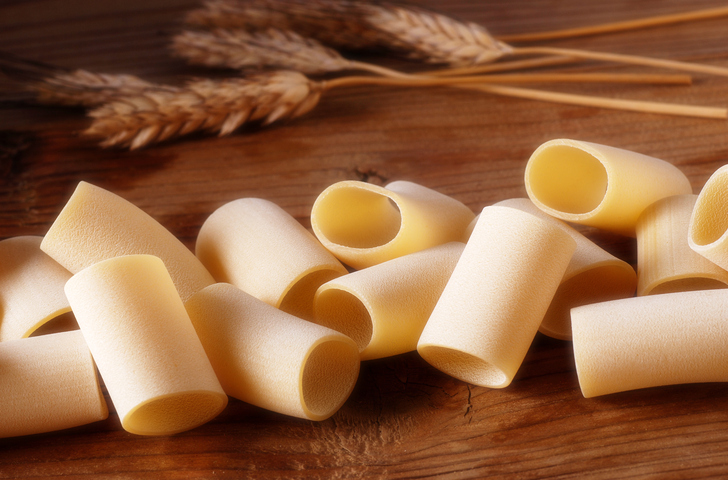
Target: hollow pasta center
(358, 218)
(568, 179)
(329, 376)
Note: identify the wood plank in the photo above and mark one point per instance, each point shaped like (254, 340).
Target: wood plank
(405, 419)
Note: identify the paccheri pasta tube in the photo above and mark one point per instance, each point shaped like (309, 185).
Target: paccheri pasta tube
(96, 225)
(147, 352)
(258, 247)
(708, 228)
(364, 224)
(385, 307)
(496, 298)
(593, 275)
(651, 341)
(665, 261)
(597, 185)
(31, 287)
(48, 383)
(271, 359)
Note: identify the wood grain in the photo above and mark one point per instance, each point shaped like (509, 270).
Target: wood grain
(404, 419)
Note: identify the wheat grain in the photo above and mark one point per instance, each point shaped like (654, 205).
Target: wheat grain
(220, 106)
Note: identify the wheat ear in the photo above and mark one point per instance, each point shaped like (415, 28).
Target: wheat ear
(350, 24)
(272, 48)
(217, 106)
(58, 86)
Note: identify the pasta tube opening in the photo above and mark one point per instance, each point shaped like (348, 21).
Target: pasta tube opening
(596, 284)
(568, 179)
(464, 366)
(688, 284)
(709, 221)
(358, 218)
(344, 311)
(174, 413)
(328, 377)
(298, 300)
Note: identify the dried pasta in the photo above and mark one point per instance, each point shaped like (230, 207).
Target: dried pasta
(665, 261)
(147, 352)
(708, 228)
(271, 359)
(496, 298)
(597, 185)
(593, 275)
(650, 341)
(96, 224)
(31, 287)
(385, 307)
(364, 224)
(258, 247)
(48, 383)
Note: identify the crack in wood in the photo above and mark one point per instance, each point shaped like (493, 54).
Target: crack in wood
(370, 175)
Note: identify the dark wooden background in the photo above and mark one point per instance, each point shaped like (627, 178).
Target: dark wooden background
(404, 419)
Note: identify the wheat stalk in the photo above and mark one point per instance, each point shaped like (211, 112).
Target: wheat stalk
(613, 27)
(420, 34)
(283, 49)
(222, 106)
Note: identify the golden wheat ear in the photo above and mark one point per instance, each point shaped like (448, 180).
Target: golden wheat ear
(53, 85)
(211, 106)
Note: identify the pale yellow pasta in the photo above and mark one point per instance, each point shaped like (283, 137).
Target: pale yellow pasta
(708, 229)
(496, 298)
(649, 341)
(597, 185)
(385, 307)
(31, 287)
(147, 352)
(48, 383)
(364, 224)
(258, 247)
(271, 359)
(593, 275)
(665, 261)
(96, 224)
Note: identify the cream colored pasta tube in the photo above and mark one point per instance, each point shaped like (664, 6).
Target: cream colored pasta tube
(650, 341)
(385, 307)
(48, 383)
(271, 359)
(708, 228)
(593, 275)
(597, 185)
(665, 261)
(31, 287)
(258, 247)
(496, 298)
(146, 349)
(364, 224)
(96, 224)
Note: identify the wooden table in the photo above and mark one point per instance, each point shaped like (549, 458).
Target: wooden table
(405, 419)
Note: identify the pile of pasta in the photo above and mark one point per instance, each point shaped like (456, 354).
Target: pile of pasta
(270, 313)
